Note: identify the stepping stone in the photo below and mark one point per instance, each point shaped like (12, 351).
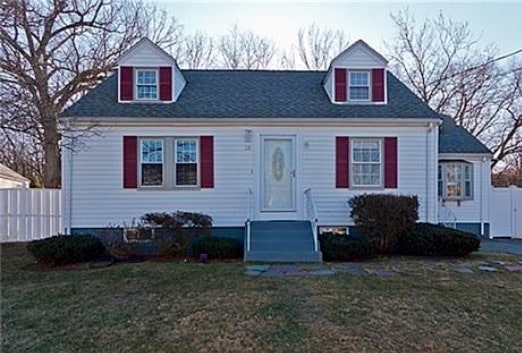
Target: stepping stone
(502, 263)
(514, 268)
(297, 274)
(321, 273)
(285, 268)
(463, 270)
(488, 268)
(252, 273)
(356, 270)
(385, 274)
(260, 268)
(272, 274)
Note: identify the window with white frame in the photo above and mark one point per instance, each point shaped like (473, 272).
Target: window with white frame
(455, 180)
(359, 85)
(186, 151)
(146, 84)
(151, 162)
(366, 163)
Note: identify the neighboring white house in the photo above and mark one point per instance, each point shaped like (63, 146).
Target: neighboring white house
(11, 179)
(266, 145)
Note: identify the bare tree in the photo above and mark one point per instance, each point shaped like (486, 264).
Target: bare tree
(442, 62)
(53, 51)
(197, 51)
(318, 46)
(245, 49)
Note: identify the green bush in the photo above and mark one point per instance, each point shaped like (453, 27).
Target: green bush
(345, 247)
(218, 248)
(62, 250)
(432, 240)
(383, 217)
(116, 245)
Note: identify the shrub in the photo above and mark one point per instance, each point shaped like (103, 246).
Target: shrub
(218, 248)
(116, 245)
(433, 240)
(170, 243)
(174, 233)
(62, 250)
(191, 222)
(383, 217)
(345, 248)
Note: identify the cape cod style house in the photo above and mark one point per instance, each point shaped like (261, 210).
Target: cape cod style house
(272, 156)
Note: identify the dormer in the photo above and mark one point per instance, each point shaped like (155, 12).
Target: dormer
(357, 76)
(148, 74)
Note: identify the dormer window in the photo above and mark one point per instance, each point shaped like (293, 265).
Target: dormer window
(359, 85)
(146, 84)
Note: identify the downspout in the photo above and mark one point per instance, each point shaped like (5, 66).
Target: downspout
(67, 193)
(427, 169)
(482, 196)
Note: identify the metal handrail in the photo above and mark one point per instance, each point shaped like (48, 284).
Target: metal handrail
(311, 214)
(250, 216)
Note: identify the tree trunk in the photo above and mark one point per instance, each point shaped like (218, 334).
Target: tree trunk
(51, 150)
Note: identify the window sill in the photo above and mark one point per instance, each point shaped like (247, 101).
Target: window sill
(165, 188)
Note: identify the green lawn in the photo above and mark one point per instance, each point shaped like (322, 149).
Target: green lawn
(172, 307)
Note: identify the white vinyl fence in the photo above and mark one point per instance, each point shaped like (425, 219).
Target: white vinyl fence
(29, 214)
(506, 212)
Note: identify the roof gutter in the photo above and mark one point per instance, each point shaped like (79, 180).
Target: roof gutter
(316, 121)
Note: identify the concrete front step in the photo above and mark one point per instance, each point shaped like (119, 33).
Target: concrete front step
(284, 256)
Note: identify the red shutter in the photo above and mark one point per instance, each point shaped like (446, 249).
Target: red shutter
(390, 162)
(126, 83)
(207, 161)
(165, 83)
(130, 162)
(340, 85)
(342, 162)
(378, 85)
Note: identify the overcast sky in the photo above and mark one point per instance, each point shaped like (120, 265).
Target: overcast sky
(495, 22)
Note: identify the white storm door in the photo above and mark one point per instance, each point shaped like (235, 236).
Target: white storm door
(278, 182)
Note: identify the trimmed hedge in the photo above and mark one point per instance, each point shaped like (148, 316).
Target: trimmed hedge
(345, 248)
(218, 248)
(382, 218)
(433, 240)
(62, 250)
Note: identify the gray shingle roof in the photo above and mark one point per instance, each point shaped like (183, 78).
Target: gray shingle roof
(250, 94)
(456, 139)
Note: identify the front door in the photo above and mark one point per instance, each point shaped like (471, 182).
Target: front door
(278, 181)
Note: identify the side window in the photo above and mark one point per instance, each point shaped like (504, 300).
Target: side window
(455, 180)
(151, 162)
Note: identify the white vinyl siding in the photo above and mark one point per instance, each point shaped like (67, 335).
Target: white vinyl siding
(99, 200)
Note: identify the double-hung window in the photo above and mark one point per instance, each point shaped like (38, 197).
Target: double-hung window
(151, 162)
(359, 85)
(186, 151)
(366, 162)
(146, 84)
(455, 180)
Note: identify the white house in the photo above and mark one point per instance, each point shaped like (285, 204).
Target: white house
(247, 147)
(11, 179)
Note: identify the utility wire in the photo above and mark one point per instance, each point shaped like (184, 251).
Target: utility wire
(481, 65)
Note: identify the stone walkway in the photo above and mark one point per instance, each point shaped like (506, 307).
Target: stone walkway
(382, 270)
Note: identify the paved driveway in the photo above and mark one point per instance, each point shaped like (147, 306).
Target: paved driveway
(510, 246)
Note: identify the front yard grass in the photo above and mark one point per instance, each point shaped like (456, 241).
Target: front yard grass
(175, 307)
